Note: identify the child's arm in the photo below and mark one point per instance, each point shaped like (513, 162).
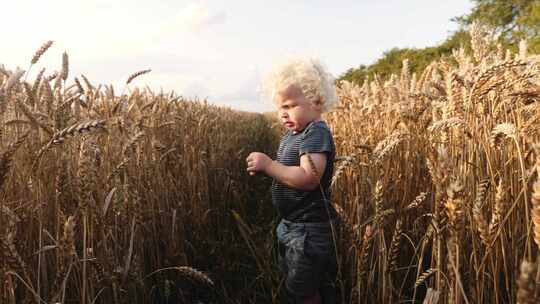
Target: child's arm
(301, 177)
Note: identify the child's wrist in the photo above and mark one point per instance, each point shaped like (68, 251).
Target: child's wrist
(269, 167)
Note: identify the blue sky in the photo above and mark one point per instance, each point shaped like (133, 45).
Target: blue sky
(217, 50)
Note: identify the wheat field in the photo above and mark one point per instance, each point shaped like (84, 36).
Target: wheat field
(143, 197)
(438, 184)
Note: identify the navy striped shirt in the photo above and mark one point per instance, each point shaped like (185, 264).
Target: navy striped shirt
(299, 205)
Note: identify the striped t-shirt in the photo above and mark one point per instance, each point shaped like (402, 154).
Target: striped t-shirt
(299, 205)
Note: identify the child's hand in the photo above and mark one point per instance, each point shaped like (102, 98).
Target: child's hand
(257, 162)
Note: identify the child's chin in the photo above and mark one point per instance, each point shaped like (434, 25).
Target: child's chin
(293, 129)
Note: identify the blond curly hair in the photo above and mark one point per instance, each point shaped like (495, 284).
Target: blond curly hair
(309, 75)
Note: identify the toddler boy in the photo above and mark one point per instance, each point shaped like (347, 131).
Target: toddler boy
(302, 90)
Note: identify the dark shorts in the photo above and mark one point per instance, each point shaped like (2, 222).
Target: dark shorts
(307, 257)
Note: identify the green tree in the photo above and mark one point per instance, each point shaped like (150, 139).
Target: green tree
(419, 59)
(512, 19)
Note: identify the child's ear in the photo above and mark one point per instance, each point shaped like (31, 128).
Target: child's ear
(317, 105)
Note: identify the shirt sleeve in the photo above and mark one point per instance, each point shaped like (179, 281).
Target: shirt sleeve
(316, 140)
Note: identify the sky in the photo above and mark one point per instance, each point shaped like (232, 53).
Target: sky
(216, 50)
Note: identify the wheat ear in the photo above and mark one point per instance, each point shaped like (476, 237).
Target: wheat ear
(526, 283)
(41, 51)
(137, 74)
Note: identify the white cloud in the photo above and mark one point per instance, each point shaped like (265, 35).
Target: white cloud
(196, 17)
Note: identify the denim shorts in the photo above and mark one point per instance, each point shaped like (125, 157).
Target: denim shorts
(307, 257)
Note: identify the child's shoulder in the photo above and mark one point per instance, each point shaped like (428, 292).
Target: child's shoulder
(317, 126)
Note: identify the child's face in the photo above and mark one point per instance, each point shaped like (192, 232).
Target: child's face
(294, 110)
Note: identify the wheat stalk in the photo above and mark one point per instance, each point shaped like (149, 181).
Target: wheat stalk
(378, 200)
(345, 162)
(60, 136)
(190, 273)
(424, 276)
(526, 283)
(79, 85)
(41, 51)
(27, 113)
(65, 66)
(394, 247)
(444, 124)
(507, 130)
(7, 157)
(498, 211)
(137, 74)
(478, 213)
(535, 197)
(419, 199)
(365, 251)
(13, 79)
